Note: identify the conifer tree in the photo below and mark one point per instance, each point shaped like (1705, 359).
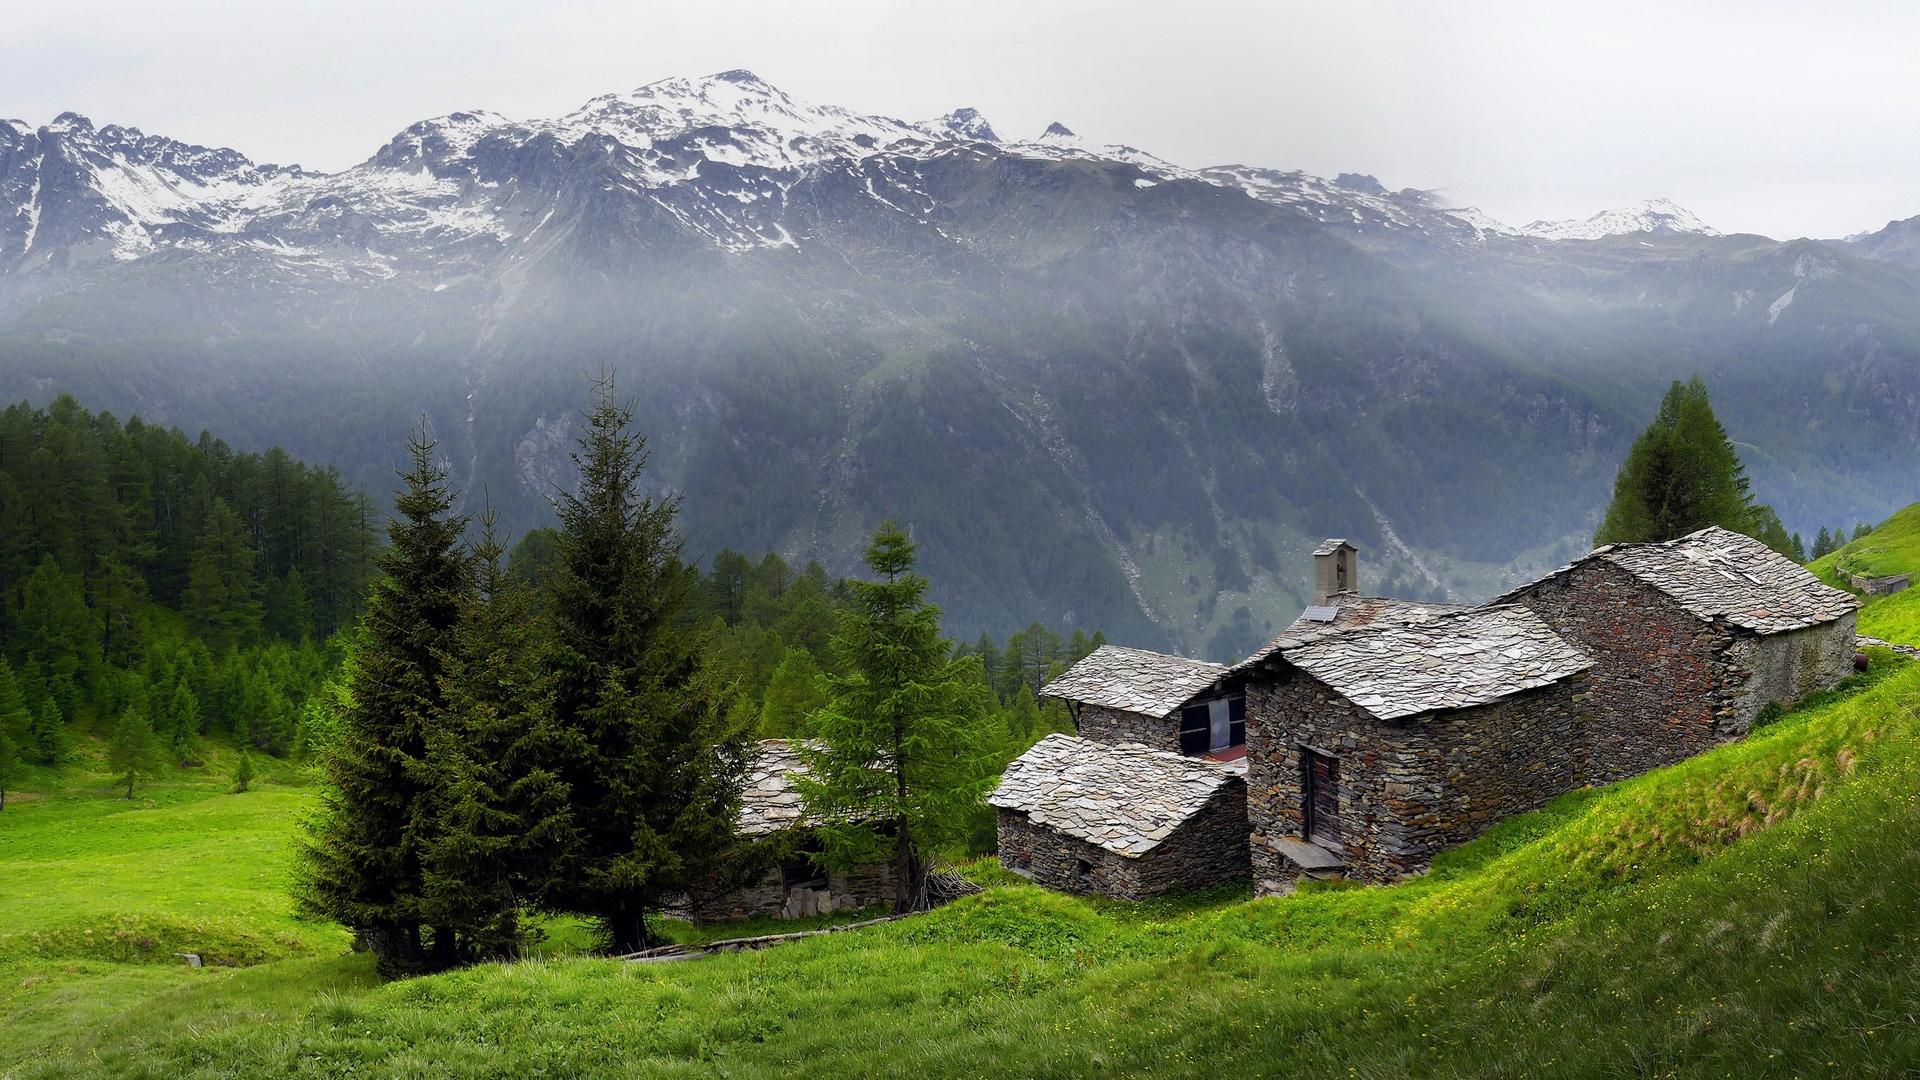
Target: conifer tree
(905, 750)
(243, 772)
(1822, 543)
(132, 752)
(222, 594)
(654, 769)
(1681, 475)
(792, 695)
(14, 721)
(1799, 554)
(182, 729)
(498, 808)
(362, 859)
(47, 740)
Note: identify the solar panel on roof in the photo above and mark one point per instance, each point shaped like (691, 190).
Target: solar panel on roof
(1320, 613)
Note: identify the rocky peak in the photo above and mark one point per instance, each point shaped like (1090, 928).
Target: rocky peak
(963, 123)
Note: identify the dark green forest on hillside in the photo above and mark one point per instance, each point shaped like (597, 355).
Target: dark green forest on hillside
(162, 589)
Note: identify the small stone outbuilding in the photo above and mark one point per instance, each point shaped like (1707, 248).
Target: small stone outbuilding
(1373, 746)
(1123, 820)
(1122, 695)
(783, 882)
(1691, 639)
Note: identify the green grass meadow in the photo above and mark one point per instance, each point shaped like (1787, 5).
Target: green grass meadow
(1753, 911)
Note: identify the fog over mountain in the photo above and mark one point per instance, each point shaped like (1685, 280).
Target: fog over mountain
(1103, 389)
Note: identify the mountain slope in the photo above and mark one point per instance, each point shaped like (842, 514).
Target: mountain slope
(1103, 389)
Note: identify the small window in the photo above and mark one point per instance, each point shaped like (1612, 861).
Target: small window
(1212, 726)
(1083, 868)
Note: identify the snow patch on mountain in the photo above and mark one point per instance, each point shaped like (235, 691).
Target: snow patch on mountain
(1660, 216)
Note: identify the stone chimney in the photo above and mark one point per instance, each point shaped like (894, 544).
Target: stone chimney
(1336, 570)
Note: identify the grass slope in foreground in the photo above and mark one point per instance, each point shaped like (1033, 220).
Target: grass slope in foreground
(1752, 911)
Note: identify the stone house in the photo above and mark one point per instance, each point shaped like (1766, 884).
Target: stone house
(1374, 745)
(1691, 639)
(1121, 695)
(782, 881)
(1121, 819)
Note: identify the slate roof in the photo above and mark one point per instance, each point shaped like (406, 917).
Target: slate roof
(1123, 797)
(1134, 680)
(1403, 666)
(1719, 574)
(768, 802)
(1349, 611)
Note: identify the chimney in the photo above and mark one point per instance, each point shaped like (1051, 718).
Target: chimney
(1336, 570)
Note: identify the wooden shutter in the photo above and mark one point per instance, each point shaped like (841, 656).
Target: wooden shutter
(1322, 798)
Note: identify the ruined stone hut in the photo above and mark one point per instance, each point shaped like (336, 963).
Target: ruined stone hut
(1691, 639)
(1121, 819)
(1121, 695)
(1413, 728)
(784, 882)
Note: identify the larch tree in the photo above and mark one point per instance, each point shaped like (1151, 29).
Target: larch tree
(222, 595)
(1683, 474)
(905, 749)
(132, 751)
(362, 858)
(653, 768)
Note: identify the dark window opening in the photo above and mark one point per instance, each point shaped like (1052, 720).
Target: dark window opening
(1211, 726)
(1082, 868)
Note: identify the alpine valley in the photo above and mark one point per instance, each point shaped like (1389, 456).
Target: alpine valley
(1103, 390)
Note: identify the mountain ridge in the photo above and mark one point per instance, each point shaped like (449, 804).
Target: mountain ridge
(1105, 390)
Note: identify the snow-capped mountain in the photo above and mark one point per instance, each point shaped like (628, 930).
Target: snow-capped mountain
(717, 155)
(116, 191)
(1661, 216)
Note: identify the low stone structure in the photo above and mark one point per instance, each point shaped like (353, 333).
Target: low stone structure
(1691, 639)
(1880, 586)
(1372, 748)
(1122, 820)
(1122, 695)
(783, 881)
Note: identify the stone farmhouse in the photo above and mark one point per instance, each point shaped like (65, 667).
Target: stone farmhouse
(1172, 703)
(1122, 819)
(1691, 638)
(1375, 732)
(784, 882)
(1373, 747)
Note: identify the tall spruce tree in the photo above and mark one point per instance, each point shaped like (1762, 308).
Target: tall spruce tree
(498, 809)
(362, 860)
(1681, 475)
(906, 748)
(653, 769)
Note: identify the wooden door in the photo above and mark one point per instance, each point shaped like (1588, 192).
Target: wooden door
(1323, 798)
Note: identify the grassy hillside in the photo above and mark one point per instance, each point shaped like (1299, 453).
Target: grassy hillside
(1753, 911)
(1891, 548)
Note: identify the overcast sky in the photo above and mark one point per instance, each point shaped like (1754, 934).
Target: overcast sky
(1785, 119)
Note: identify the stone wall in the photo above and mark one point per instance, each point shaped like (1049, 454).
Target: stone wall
(767, 894)
(1784, 668)
(1658, 669)
(1407, 789)
(1668, 684)
(1210, 848)
(1102, 724)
